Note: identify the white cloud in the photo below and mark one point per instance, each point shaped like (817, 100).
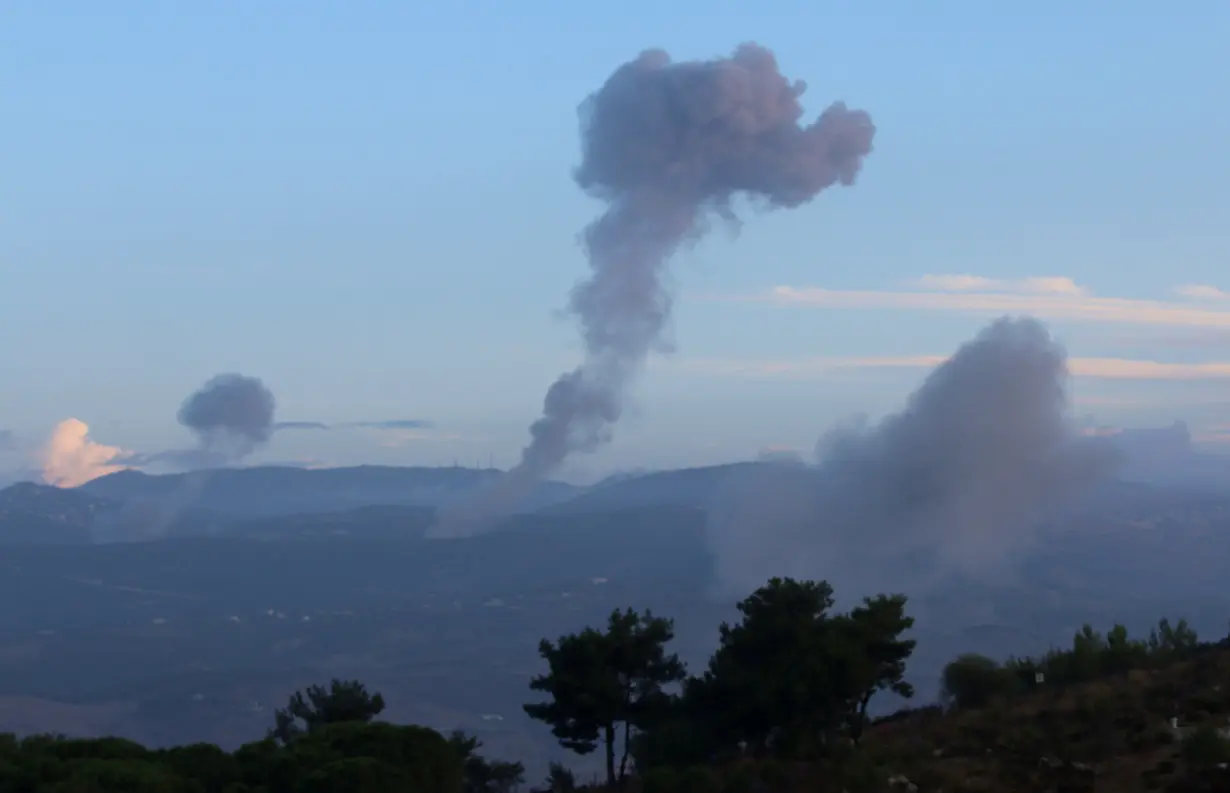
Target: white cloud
(1038, 285)
(71, 458)
(1095, 368)
(1201, 292)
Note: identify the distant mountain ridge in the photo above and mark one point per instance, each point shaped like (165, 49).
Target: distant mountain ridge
(33, 514)
(38, 514)
(269, 491)
(281, 502)
(680, 488)
(275, 502)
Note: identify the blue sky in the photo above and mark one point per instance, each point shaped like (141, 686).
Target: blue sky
(369, 206)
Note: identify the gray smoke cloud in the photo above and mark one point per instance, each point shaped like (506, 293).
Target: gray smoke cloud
(954, 481)
(667, 146)
(231, 415)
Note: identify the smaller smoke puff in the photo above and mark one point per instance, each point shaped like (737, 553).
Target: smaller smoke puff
(952, 482)
(71, 458)
(231, 415)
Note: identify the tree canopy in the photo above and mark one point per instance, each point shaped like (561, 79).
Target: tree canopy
(792, 676)
(789, 679)
(602, 681)
(343, 701)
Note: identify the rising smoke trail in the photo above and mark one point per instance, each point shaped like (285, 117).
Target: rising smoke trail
(666, 145)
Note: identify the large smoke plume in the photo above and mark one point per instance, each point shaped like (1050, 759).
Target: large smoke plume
(231, 415)
(952, 482)
(667, 145)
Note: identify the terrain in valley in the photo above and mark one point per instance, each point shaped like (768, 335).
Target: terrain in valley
(128, 609)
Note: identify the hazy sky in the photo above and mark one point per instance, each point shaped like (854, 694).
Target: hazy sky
(369, 206)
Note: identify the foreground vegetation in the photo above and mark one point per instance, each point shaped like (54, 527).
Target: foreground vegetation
(782, 705)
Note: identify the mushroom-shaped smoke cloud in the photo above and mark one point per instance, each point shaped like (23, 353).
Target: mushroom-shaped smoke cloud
(231, 415)
(666, 145)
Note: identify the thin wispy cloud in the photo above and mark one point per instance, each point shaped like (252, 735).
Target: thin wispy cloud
(1054, 298)
(396, 437)
(8, 441)
(1185, 339)
(1129, 369)
(1038, 285)
(396, 433)
(1123, 402)
(775, 453)
(387, 432)
(192, 459)
(387, 424)
(309, 463)
(1095, 368)
(394, 424)
(1212, 436)
(1202, 292)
